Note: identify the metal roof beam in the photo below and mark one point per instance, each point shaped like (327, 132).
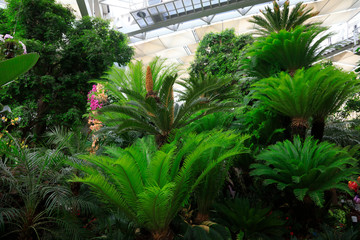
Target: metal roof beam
(83, 8)
(197, 15)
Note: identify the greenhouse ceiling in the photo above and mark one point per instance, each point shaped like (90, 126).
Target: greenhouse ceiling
(173, 28)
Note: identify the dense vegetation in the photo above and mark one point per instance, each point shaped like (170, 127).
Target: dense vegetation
(253, 145)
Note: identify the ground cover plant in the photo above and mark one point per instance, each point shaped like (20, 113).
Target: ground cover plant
(252, 145)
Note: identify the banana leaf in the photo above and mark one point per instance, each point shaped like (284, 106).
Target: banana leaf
(14, 67)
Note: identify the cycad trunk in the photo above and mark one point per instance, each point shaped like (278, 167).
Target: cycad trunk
(299, 127)
(161, 139)
(165, 234)
(318, 126)
(201, 217)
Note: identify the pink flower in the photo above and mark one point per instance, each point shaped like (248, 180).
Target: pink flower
(8, 36)
(24, 47)
(94, 88)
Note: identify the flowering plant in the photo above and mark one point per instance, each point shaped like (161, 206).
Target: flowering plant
(10, 47)
(96, 99)
(354, 185)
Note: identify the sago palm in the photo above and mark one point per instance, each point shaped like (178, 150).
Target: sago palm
(133, 76)
(316, 91)
(307, 169)
(157, 114)
(207, 191)
(150, 186)
(285, 51)
(276, 19)
(337, 87)
(249, 217)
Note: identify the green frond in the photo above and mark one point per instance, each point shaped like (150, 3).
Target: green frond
(285, 51)
(274, 20)
(308, 168)
(107, 192)
(133, 77)
(247, 216)
(154, 202)
(151, 186)
(317, 91)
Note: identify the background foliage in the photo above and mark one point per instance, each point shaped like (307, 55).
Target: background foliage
(72, 52)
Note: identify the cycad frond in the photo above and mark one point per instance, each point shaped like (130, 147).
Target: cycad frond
(285, 51)
(159, 115)
(315, 92)
(308, 168)
(276, 19)
(133, 77)
(151, 189)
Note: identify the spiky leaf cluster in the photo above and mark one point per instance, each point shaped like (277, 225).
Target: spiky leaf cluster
(315, 91)
(133, 77)
(276, 19)
(151, 186)
(307, 169)
(160, 115)
(242, 215)
(285, 51)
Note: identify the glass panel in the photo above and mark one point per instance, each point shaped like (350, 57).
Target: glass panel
(142, 22)
(161, 8)
(187, 3)
(153, 11)
(149, 20)
(189, 9)
(181, 10)
(170, 6)
(179, 4)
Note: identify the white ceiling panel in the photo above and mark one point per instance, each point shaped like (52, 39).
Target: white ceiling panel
(340, 17)
(181, 39)
(150, 47)
(337, 5)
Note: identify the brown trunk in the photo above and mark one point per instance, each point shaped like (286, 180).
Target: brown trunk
(161, 139)
(318, 126)
(40, 125)
(298, 127)
(334, 197)
(292, 72)
(163, 235)
(201, 217)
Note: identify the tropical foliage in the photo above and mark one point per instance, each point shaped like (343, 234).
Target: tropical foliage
(249, 219)
(133, 77)
(150, 186)
(35, 199)
(307, 169)
(219, 152)
(159, 115)
(315, 92)
(276, 19)
(72, 52)
(285, 51)
(219, 54)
